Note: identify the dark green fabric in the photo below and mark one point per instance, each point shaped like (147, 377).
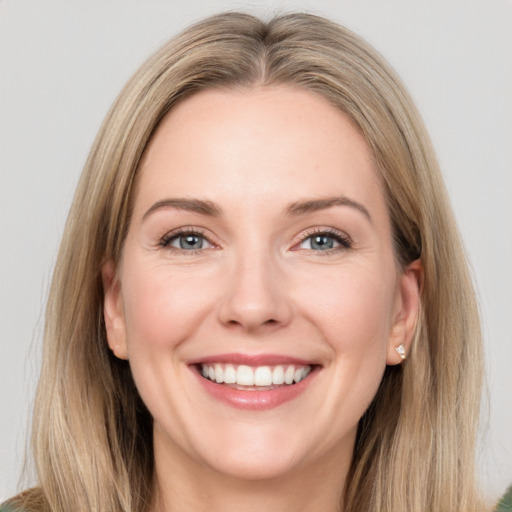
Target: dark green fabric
(505, 504)
(7, 508)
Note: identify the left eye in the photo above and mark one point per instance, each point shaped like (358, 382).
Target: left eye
(324, 242)
(187, 242)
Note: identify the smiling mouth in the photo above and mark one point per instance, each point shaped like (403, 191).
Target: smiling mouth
(254, 378)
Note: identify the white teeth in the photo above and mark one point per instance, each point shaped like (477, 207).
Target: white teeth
(288, 374)
(245, 376)
(261, 376)
(219, 373)
(278, 375)
(229, 374)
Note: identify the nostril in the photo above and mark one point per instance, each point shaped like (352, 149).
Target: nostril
(271, 322)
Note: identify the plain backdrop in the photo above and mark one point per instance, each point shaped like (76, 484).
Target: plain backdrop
(62, 64)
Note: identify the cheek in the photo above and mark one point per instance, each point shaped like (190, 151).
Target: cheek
(162, 308)
(354, 308)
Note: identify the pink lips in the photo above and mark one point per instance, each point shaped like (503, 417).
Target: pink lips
(256, 400)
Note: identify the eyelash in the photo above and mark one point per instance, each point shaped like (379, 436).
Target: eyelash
(168, 238)
(339, 237)
(344, 241)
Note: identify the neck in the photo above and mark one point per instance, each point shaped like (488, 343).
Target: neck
(184, 485)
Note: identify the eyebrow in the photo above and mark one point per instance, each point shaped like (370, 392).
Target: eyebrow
(314, 205)
(302, 207)
(190, 205)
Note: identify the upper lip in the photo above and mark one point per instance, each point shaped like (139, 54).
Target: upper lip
(252, 359)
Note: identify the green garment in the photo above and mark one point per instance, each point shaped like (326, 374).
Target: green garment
(505, 504)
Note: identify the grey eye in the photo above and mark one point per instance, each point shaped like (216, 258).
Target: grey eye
(324, 241)
(320, 242)
(188, 242)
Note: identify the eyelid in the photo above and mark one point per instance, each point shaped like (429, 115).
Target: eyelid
(165, 240)
(342, 238)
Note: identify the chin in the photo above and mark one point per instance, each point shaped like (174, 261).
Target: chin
(250, 452)
(255, 467)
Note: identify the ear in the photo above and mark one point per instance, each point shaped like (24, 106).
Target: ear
(406, 312)
(113, 311)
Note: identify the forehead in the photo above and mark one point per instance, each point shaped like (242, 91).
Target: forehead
(267, 142)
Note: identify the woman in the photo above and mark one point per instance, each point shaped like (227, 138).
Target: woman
(261, 299)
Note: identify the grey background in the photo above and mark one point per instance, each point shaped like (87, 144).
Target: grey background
(63, 62)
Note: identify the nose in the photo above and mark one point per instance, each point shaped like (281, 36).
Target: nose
(255, 297)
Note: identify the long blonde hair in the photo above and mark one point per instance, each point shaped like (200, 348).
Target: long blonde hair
(92, 435)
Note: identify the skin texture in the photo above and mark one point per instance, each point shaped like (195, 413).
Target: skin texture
(259, 285)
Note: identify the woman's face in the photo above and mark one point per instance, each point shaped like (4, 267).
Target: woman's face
(259, 252)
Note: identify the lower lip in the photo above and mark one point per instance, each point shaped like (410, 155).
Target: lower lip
(256, 400)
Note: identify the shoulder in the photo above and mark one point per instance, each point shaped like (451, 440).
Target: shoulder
(5, 507)
(505, 504)
(30, 500)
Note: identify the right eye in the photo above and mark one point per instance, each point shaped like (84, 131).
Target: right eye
(186, 241)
